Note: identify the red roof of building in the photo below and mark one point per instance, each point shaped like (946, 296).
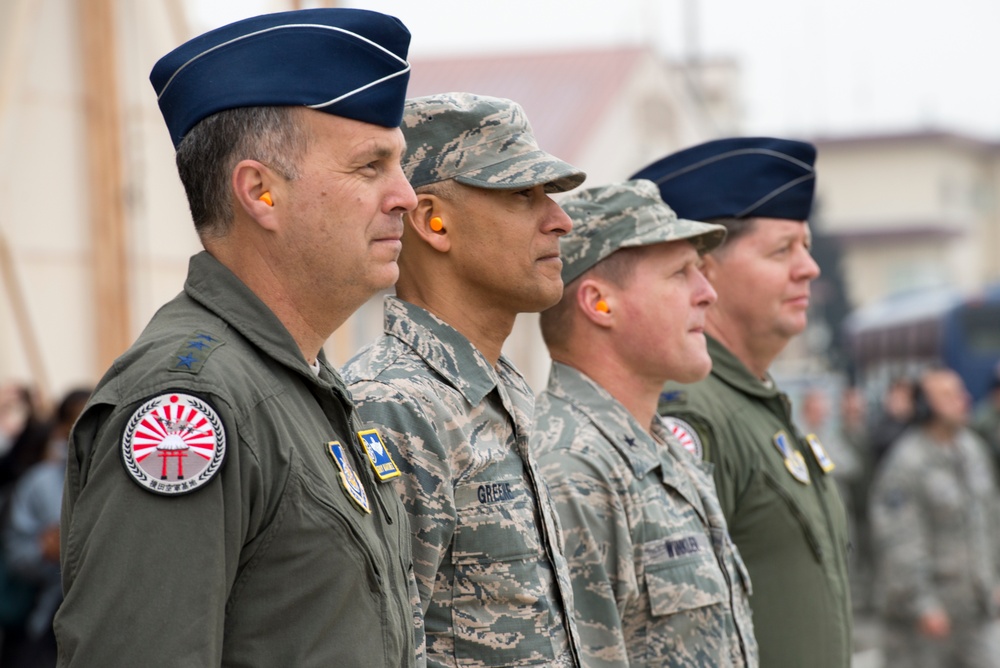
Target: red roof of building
(564, 94)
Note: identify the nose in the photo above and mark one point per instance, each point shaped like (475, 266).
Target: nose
(400, 197)
(704, 294)
(556, 221)
(805, 268)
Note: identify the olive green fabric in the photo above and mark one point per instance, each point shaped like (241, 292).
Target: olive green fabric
(271, 563)
(792, 534)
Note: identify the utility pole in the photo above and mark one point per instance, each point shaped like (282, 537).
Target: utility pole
(106, 206)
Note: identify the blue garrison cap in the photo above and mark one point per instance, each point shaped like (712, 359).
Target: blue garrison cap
(346, 62)
(741, 177)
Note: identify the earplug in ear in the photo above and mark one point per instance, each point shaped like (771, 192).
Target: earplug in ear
(266, 198)
(436, 224)
(602, 306)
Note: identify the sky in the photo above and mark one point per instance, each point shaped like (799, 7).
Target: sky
(808, 67)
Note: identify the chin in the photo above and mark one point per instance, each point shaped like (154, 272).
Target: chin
(386, 278)
(697, 368)
(548, 296)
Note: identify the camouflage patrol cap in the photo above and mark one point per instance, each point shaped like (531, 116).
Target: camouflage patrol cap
(479, 141)
(625, 215)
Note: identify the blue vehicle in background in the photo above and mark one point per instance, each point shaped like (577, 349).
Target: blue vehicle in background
(904, 333)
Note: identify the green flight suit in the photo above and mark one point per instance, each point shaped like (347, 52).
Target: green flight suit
(271, 562)
(783, 511)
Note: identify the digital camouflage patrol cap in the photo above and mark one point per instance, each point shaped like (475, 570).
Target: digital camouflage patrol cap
(479, 141)
(625, 215)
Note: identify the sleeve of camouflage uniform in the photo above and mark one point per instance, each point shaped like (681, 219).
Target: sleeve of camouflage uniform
(900, 540)
(593, 507)
(412, 438)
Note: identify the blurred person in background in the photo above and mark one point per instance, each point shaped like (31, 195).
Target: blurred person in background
(31, 536)
(23, 431)
(854, 434)
(893, 417)
(986, 417)
(936, 536)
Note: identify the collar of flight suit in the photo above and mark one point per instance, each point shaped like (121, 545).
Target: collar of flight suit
(730, 370)
(214, 286)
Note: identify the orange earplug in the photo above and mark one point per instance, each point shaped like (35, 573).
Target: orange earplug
(436, 224)
(266, 198)
(602, 306)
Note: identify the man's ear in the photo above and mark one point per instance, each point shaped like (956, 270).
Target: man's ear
(429, 221)
(596, 302)
(258, 192)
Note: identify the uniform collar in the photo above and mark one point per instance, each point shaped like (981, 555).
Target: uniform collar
(644, 451)
(730, 370)
(444, 349)
(214, 286)
(608, 416)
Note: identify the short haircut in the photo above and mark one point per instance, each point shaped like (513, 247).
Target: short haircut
(557, 322)
(735, 228)
(212, 148)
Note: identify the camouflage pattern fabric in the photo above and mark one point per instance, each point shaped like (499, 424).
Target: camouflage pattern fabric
(492, 581)
(656, 579)
(934, 521)
(625, 215)
(484, 142)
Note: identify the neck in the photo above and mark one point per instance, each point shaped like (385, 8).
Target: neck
(486, 329)
(756, 353)
(309, 327)
(942, 433)
(637, 394)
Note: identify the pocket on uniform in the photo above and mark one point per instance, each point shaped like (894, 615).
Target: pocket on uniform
(682, 574)
(501, 605)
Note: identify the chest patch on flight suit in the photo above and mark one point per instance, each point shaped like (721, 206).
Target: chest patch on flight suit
(820, 453)
(378, 454)
(794, 461)
(686, 434)
(349, 477)
(173, 444)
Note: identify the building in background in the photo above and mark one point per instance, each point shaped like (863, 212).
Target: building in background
(911, 211)
(95, 231)
(92, 239)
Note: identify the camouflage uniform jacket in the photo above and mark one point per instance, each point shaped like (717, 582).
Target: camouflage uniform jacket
(656, 579)
(934, 522)
(492, 580)
(782, 508)
(273, 562)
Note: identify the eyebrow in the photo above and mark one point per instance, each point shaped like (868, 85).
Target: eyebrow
(380, 151)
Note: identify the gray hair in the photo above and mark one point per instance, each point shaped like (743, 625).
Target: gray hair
(212, 148)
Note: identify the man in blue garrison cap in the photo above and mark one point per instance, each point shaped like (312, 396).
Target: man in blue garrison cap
(773, 481)
(220, 508)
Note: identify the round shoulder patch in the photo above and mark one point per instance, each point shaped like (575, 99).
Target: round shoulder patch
(173, 444)
(686, 434)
